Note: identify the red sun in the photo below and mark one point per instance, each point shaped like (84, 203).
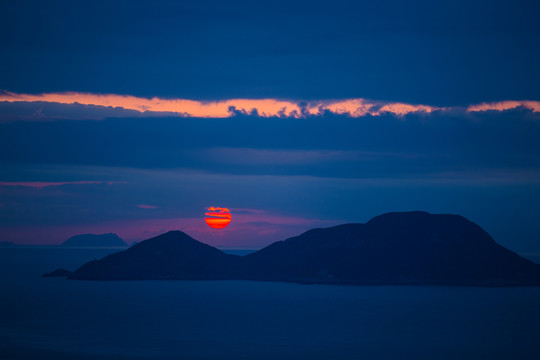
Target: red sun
(217, 217)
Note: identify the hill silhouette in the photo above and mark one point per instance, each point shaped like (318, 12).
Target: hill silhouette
(394, 248)
(58, 273)
(173, 255)
(92, 240)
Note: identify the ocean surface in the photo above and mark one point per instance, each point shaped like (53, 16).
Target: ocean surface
(55, 318)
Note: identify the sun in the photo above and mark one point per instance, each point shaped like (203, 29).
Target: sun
(217, 217)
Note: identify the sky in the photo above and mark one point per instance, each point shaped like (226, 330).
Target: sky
(135, 117)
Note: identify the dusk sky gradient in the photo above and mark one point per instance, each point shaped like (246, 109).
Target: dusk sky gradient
(134, 117)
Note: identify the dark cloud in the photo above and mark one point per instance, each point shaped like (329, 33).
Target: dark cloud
(327, 146)
(47, 111)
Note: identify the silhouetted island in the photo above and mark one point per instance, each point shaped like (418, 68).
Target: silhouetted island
(92, 240)
(395, 248)
(7, 244)
(58, 273)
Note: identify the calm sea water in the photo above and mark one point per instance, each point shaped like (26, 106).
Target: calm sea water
(54, 318)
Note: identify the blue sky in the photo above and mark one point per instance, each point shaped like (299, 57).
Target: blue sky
(108, 158)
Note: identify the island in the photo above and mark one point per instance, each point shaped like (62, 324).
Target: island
(7, 244)
(93, 240)
(58, 273)
(406, 248)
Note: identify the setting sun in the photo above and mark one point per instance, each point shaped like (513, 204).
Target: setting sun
(217, 217)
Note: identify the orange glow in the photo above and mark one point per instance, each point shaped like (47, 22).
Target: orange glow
(182, 107)
(506, 105)
(357, 107)
(401, 109)
(217, 217)
(224, 108)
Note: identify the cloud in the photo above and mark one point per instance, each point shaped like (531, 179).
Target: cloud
(42, 184)
(247, 211)
(363, 107)
(505, 105)
(76, 105)
(103, 104)
(266, 156)
(253, 156)
(47, 111)
(87, 106)
(149, 207)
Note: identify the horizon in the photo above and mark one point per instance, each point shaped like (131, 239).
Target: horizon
(531, 256)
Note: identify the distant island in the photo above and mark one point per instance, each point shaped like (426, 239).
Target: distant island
(92, 240)
(7, 244)
(407, 248)
(58, 273)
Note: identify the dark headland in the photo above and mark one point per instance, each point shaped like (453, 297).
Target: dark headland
(58, 273)
(93, 240)
(408, 248)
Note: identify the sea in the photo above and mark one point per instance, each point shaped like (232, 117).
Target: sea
(56, 318)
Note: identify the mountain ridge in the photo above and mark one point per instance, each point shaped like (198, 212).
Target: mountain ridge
(392, 249)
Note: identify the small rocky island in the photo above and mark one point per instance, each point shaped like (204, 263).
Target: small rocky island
(93, 240)
(407, 248)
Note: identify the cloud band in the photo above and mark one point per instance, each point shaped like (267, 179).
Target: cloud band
(260, 107)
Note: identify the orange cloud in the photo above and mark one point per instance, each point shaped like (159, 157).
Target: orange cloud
(404, 109)
(224, 108)
(182, 107)
(262, 107)
(506, 105)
